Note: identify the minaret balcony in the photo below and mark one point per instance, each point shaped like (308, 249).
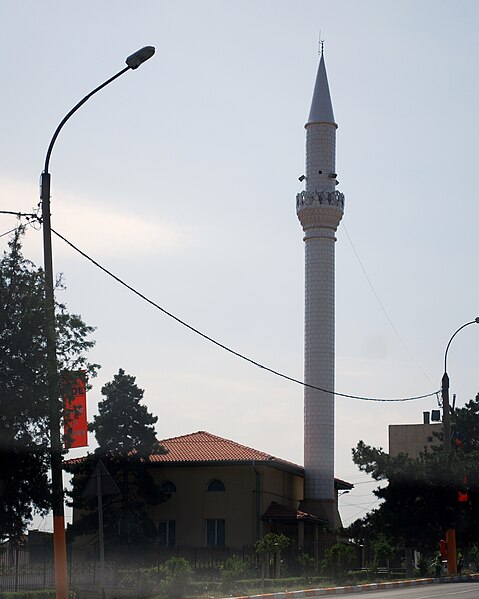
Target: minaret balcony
(322, 198)
(322, 209)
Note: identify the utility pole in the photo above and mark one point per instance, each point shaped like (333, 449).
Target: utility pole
(446, 413)
(446, 431)
(54, 395)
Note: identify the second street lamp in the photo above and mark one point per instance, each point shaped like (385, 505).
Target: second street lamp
(446, 433)
(54, 395)
(446, 414)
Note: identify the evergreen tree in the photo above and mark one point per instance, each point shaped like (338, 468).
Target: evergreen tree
(123, 425)
(427, 495)
(124, 430)
(24, 402)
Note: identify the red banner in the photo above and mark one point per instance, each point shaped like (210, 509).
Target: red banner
(76, 433)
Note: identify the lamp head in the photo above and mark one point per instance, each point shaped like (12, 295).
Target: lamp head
(477, 319)
(139, 57)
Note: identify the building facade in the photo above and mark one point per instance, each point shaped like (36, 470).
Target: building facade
(413, 439)
(223, 496)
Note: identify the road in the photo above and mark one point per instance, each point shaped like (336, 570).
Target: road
(461, 590)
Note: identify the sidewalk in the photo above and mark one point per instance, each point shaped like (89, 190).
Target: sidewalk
(358, 588)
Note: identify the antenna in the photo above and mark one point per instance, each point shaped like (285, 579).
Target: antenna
(321, 45)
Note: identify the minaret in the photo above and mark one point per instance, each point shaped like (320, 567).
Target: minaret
(320, 209)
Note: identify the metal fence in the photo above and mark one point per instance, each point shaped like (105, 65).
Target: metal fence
(24, 569)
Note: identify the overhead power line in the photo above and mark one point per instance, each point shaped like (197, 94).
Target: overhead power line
(19, 214)
(382, 305)
(8, 232)
(225, 347)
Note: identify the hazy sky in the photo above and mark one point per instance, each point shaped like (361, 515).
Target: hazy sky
(181, 178)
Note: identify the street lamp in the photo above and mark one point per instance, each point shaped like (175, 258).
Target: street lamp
(55, 403)
(446, 423)
(446, 416)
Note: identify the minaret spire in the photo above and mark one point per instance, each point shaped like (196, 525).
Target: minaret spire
(320, 209)
(321, 105)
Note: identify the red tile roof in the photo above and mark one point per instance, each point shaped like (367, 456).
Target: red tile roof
(276, 512)
(205, 447)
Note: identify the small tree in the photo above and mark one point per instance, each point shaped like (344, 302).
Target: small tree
(307, 563)
(177, 578)
(338, 560)
(270, 547)
(233, 569)
(383, 551)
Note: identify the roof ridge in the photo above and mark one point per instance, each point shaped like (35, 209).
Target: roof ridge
(188, 436)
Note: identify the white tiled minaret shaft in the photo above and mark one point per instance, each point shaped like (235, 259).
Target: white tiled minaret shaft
(320, 209)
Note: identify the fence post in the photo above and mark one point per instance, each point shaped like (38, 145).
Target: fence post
(70, 562)
(44, 577)
(16, 569)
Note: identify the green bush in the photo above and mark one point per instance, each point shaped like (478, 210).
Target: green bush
(473, 558)
(338, 560)
(307, 563)
(233, 570)
(383, 551)
(29, 595)
(177, 578)
(424, 566)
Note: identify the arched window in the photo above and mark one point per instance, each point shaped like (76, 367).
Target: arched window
(167, 486)
(215, 486)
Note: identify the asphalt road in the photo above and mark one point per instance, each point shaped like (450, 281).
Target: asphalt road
(461, 590)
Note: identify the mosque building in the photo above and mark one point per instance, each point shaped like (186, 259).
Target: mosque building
(222, 495)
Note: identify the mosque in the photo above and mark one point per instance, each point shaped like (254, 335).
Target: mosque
(222, 494)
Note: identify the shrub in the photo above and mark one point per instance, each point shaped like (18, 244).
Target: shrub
(473, 558)
(233, 570)
(338, 560)
(270, 547)
(424, 566)
(177, 577)
(382, 553)
(43, 594)
(307, 562)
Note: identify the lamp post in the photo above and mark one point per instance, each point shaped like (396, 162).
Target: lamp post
(446, 416)
(446, 423)
(55, 402)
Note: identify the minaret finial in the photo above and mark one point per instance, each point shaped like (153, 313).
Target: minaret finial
(321, 45)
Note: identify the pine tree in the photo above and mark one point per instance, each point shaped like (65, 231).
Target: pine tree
(24, 402)
(123, 425)
(124, 430)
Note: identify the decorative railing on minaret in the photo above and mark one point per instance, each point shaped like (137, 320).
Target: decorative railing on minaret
(320, 209)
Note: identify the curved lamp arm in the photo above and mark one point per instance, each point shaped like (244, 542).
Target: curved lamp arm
(133, 62)
(476, 320)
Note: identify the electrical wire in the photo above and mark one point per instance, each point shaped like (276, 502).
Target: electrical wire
(19, 214)
(349, 518)
(228, 349)
(8, 232)
(382, 306)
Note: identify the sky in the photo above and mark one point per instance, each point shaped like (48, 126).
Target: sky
(181, 177)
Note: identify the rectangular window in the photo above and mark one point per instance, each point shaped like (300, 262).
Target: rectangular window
(166, 533)
(215, 533)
